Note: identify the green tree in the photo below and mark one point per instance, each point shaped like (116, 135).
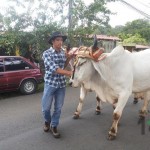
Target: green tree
(84, 19)
(136, 38)
(137, 31)
(31, 24)
(140, 26)
(116, 30)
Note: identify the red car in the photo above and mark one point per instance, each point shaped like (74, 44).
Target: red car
(17, 73)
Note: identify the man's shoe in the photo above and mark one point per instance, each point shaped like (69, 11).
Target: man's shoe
(46, 126)
(55, 132)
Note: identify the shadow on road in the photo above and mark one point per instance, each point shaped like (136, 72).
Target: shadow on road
(11, 94)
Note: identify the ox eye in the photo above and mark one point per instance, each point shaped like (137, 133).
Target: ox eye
(81, 63)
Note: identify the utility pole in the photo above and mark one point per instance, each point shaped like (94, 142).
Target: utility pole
(70, 19)
(70, 15)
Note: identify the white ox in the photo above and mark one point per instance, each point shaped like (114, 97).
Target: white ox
(83, 92)
(114, 78)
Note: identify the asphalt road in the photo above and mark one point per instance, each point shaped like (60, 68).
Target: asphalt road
(21, 125)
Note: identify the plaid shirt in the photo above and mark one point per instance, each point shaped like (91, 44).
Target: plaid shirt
(52, 61)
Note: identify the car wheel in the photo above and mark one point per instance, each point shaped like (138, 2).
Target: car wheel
(28, 86)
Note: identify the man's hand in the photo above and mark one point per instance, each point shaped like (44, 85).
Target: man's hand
(64, 72)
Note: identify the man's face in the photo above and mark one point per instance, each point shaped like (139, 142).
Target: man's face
(57, 43)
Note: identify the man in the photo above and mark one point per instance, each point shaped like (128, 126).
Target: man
(55, 82)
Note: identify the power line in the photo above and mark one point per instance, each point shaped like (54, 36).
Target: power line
(133, 7)
(143, 4)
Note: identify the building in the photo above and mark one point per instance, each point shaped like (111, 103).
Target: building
(135, 47)
(108, 42)
(141, 47)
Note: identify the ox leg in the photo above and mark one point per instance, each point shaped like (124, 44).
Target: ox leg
(138, 96)
(117, 115)
(144, 110)
(115, 103)
(98, 107)
(81, 99)
(114, 106)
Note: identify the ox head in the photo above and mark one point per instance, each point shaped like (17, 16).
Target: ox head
(83, 68)
(82, 73)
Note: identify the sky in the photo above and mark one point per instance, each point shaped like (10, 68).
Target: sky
(123, 13)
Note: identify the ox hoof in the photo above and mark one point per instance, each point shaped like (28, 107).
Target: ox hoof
(141, 119)
(143, 113)
(111, 137)
(135, 101)
(97, 112)
(75, 116)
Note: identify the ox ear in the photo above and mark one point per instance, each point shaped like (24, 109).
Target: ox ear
(94, 47)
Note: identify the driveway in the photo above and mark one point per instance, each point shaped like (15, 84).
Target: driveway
(21, 125)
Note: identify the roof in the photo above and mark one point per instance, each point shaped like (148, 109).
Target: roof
(106, 37)
(141, 47)
(136, 46)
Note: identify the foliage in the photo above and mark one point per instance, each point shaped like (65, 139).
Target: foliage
(140, 26)
(136, 38)
(117, 30)
(33, 25)
(137, 31)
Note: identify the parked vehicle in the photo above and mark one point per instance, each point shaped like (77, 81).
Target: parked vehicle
(17, 73)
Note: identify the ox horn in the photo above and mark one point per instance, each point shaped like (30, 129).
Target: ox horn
(68, 46)
(95, 43)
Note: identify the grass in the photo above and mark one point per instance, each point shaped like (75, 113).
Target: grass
(40, 87)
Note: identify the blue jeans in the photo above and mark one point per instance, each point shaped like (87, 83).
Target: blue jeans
(52, 94)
